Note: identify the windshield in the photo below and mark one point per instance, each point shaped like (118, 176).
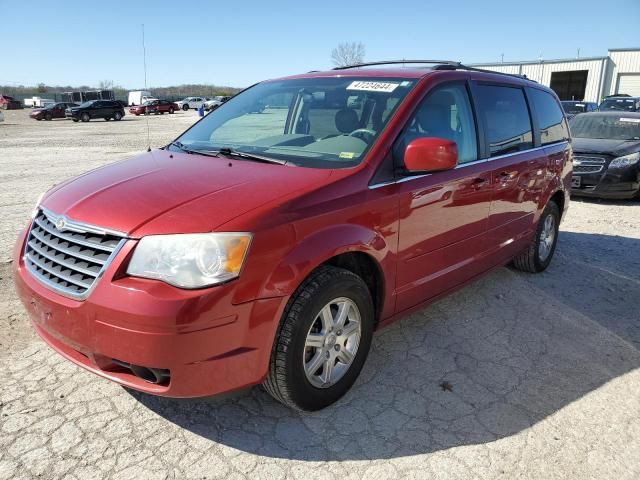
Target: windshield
(309, 122)
(87, 104)
(574, 107)
(625, 104)
(611, 127)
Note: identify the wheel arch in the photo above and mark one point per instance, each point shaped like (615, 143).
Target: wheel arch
(356, 248)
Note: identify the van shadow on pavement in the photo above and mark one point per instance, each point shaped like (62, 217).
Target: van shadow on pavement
(515, 349)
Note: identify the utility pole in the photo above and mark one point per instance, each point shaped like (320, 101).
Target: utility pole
(502, 58)
(578, 52)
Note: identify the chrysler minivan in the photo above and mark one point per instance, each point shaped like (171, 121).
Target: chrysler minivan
(266, 248)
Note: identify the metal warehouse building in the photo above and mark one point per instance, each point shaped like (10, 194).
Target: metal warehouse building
(586, 79)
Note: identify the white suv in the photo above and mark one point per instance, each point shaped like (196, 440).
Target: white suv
(191, 102)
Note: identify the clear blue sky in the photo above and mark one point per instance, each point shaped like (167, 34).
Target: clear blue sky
(238, 43)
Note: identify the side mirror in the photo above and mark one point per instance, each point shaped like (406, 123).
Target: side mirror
(430, 154)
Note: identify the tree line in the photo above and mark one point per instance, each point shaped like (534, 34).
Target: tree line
(42, 90)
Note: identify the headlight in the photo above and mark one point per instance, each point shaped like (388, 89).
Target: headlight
(626, 161)
(190, 260)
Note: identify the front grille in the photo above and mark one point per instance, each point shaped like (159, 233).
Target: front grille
(68, 256)
(587, 168)
(589, 159)
(588, 164)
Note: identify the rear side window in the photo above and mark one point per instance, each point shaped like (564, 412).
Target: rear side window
(506, 118)
(553, 127)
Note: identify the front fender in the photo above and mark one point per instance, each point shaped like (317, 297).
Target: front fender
(317, 248)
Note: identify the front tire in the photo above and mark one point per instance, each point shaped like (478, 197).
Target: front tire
(85, 117)
(537, 257)
(185, 107)
(322, 341)
(48, 117)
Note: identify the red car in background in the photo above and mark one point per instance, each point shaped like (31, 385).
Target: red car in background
(155, 106)
(9, 103)
(53, 111)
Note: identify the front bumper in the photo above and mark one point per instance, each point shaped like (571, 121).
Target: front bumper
(613, 184)
(208, 344)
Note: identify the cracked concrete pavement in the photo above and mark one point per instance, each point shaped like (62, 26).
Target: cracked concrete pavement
(543, 368)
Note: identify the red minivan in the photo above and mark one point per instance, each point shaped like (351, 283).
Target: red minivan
(265, 245)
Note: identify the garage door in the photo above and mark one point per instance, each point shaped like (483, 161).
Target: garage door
(629, 84)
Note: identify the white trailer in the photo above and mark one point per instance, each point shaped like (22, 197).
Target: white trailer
(38, 102)
(138, 97)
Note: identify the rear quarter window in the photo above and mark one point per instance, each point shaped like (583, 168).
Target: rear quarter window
(505, 114)
(551, 121)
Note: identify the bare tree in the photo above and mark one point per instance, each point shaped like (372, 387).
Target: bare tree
(348, 53)
(106, 84)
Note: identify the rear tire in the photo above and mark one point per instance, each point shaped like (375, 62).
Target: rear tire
(171, 111)
(107, 119)
(117, 116)
(537, 257)
(311, 377)
(75, 120)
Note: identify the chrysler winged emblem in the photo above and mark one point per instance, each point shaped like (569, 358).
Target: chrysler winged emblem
(60, 223)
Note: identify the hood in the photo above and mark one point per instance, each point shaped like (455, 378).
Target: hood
(165, 192)
(615, 148)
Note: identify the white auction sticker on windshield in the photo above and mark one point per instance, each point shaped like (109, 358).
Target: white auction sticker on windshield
(372, 86)
(632, 120)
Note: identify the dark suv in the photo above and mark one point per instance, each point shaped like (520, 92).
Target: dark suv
(623, 103)
(106, 109)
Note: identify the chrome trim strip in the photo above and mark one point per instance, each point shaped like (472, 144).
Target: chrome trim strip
(70, 239)
(468, 164)
(80, 226)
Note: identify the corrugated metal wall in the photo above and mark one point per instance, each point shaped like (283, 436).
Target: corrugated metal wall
(623, 62)
(541, 73)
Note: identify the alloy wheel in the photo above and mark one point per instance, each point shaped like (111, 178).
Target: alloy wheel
(547, 237)
(332, 342)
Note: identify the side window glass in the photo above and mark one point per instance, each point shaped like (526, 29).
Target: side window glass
(506, 118)
(553, 127)
(444, 113)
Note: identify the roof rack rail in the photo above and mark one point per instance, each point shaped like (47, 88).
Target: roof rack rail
(438, 65)
(396, 62)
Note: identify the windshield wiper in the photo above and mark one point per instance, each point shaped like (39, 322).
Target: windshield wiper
(186, 149)
(230, 152)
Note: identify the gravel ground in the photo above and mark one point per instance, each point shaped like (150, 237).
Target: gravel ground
(541, 370)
